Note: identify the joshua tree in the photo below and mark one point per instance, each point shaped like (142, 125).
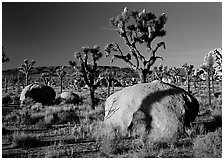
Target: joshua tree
(161, 72)
(25, 68)
(89, 71)
(207, 66)
(109, 76)
(6, 83)
(189, 70)
(218, 63)
(4, 57)
(61, 73)
(138, 27)
(174, 73)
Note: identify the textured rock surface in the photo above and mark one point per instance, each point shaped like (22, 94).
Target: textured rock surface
(39, 93)
(159, 109)
(70, 97)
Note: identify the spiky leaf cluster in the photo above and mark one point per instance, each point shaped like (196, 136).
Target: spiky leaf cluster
(61, 72)
(26, 67)
(188, 68)
(137, 27)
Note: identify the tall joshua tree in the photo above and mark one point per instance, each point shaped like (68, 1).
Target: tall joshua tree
(207, 66)
(138, 27)
(189, 70)
(25, 68)
(89, 70)
(61, 73)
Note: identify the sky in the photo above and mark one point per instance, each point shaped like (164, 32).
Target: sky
(50, 33)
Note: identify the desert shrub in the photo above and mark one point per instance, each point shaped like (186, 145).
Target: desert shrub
(11, 117)
(21, 116)
(67, 116)
(36, 117)
(209, 145)
(25, 141)
(37, 107)
(42, 124)
(28, 102)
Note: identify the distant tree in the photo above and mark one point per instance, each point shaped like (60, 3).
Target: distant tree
(46, 78)
(161, 72)
(61, 73)
(138, 27)
(4, 57)
(110, 78)
(218, 63)
(189, 71)
(89, 71)
(6, 83)
(26, 68)
(208, 67)
(174, 73)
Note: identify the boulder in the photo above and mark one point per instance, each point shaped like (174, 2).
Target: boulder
(39, 93)
(157, 109)
(70, 97)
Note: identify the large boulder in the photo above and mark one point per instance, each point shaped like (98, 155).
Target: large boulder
(70, 97)
(159, 110)
(39, 93)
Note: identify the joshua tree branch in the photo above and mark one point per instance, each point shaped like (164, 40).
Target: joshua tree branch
(157, 47)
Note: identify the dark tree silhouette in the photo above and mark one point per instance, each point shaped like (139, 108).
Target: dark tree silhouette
(189, 71)
(110, 78)
(61, 73)
(138, 27)
(89, 71)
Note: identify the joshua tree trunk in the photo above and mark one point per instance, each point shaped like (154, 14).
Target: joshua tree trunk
(108, 88)
(92, 97)
(112, 84)
(6, 85)
(213, 87)
(142, 74)
(61, 84)
(209, 89)
(27, 80)
(188, 84)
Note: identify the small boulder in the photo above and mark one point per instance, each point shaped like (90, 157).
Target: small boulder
(70, 97)
(157, 109)
(39, 93)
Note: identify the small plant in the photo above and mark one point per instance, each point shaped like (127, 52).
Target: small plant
(26, 68)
